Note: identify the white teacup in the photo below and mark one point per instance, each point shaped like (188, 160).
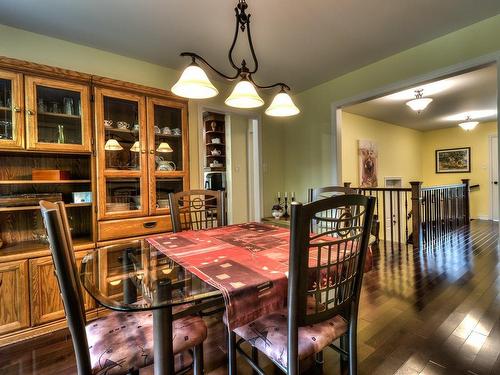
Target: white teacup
(215, 140)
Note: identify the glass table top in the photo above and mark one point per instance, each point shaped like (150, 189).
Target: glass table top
(135, 276)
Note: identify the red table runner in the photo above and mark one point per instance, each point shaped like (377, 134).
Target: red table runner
(248, 263)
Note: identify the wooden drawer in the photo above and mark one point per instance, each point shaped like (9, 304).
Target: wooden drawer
(140, 226)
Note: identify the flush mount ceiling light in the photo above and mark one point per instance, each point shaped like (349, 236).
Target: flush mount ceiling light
(194, 83)
(468, 124)
(419, 103)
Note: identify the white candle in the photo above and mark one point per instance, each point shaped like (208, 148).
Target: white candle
(279, 195)
(293, 194)
(286, 194)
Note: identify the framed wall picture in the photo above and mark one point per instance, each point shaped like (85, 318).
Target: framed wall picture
(368, 163)
(453, 160)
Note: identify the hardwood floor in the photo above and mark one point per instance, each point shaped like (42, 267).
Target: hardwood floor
(433, 311)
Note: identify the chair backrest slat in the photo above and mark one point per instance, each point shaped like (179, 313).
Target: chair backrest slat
(197, 210)
(326, 264)
(60, 243)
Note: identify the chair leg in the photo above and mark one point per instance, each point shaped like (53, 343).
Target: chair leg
(344, 340)
(255, 358)
(353, 348)
(198, 360)
(231, 352)
(319, 361)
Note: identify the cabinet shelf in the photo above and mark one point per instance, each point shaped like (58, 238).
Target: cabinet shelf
(26, 182)
(5, 109)
(63, 115)
(214, 131)
(215, 144)
(215, 156)
(21, 250)
(32, 208)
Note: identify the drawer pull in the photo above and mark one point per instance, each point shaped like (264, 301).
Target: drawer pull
(150, 224)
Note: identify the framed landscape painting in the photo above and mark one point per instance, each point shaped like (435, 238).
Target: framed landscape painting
(453, 160)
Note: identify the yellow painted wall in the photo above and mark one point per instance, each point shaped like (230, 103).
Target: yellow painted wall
(398, 149)
(454, 137)
(308, 148)
(238, 178)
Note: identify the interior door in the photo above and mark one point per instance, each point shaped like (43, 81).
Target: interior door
(494, 177)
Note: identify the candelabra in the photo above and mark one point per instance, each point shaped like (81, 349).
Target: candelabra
(285, 214)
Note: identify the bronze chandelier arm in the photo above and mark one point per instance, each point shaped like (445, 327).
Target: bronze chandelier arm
(235, 38)
(283, 85)
(254, 56)
(195, 57)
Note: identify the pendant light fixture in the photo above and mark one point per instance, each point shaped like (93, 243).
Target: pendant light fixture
(194, 83)
(468, 124)
(164, 147)
(419, 103)
(112, 145)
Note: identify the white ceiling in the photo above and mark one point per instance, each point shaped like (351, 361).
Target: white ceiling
(454, 99)
(301, 42)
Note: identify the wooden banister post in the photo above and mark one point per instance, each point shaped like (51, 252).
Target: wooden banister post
(416, 187)
(466, 182)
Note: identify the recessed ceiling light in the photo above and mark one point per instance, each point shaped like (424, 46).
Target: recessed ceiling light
(473, 115)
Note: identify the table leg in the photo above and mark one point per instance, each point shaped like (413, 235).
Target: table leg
(163, 334)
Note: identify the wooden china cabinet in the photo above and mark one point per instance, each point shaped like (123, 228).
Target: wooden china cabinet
(123, 145)
(142, 149)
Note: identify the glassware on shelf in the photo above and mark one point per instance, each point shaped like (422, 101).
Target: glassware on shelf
(68, 106)
(60, 134)
(54, 107)
(41, 105)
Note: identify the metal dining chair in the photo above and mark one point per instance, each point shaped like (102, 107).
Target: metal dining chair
(119, 343)
(315, 194)
(326, 310)
(197, 209)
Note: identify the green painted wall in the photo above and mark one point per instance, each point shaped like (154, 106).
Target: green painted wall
(307, 149)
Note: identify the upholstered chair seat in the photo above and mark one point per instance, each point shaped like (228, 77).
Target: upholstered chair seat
(121, 342)
(269, 335)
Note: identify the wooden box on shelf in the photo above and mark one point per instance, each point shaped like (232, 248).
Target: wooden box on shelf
(50, 174)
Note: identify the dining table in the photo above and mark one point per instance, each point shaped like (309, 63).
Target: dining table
(243, 267)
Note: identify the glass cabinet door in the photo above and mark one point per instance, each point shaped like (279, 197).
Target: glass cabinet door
(168, 148)
(57, 115)
(11, 117)
(121, 154)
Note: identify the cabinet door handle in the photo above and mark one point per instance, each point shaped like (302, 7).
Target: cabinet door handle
(30, 112)
(17, 109)
(151, 152)
(150, 224)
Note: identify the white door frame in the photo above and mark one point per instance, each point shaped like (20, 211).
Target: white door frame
(255, 202)
(490, 144)
(336, 107)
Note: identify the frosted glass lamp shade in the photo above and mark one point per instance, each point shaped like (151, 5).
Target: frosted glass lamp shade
(282, 106)
(112, 145)
(419, 104)
(194, 84)
(244, 96)
(164, 147)
(135, 147)
(468, 125)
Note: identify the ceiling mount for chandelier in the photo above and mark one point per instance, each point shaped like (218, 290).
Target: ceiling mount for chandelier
(194, 82)
(419, 103)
